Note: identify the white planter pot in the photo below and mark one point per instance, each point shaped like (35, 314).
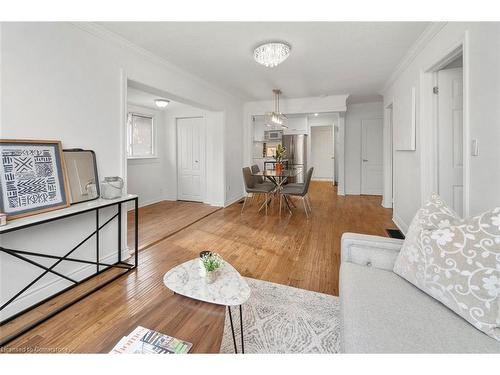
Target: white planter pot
(211, 276)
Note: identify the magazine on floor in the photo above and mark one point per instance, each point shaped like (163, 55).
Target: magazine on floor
(147, 341)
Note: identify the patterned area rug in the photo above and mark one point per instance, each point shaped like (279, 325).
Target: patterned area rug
(282, 319)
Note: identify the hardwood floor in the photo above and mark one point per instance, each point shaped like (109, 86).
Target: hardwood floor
(160, 220)
(288, 250)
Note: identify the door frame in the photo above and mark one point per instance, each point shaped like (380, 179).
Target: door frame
(204, 153)
(429, 122)
(332, 126)
(389, 185)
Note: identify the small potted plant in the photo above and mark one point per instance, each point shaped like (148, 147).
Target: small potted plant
(212, 262)
(280, 153)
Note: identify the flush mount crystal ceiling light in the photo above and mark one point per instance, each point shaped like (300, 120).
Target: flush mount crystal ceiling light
(271, 54)
(161, 103)
(276, 118)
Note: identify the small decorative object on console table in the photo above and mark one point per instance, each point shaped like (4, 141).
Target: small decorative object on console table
(111, 187)
(212, 262)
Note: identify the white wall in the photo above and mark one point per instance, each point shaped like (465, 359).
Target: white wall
(481, 73)
(76, 78)
(147, 177)
(352, 148)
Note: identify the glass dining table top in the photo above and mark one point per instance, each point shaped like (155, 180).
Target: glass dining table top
(274, 173)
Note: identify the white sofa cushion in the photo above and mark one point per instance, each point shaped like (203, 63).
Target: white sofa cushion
(383, 313)
(456, 261)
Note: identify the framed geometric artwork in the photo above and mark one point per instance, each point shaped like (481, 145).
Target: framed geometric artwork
(32, 177)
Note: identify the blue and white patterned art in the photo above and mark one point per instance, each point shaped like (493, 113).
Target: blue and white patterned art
(32, 177)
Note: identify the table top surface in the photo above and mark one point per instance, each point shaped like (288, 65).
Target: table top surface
(274, 173)
(71, 210)
(188, 279)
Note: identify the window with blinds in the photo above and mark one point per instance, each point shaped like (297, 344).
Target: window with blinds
(140, 136)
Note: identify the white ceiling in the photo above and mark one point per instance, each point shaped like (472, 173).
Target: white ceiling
(327, 58)
(146, 99)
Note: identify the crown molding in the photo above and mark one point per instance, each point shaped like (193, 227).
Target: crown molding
(429, 33)
(109, 36)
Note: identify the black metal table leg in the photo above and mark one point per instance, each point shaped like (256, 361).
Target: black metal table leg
(232, 329)
(136, 230)
(119, 232)
(241, 329)
(97, 239)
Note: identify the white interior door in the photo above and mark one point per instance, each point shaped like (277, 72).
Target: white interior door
(322, 152)
(191, 159)
(371, 156)
(336, 148)
(450, 138)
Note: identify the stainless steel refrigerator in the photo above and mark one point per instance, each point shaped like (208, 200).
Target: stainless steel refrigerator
(296, 154)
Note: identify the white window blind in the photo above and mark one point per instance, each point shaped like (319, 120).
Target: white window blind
(140, 136)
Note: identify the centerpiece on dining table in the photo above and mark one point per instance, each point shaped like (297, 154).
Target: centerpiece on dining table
(278, 156)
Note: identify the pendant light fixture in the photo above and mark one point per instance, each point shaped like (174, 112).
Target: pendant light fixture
(276, 118)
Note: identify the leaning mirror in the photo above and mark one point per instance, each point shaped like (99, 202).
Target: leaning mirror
(81, 169)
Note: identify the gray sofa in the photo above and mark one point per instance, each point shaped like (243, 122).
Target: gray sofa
(383, 313)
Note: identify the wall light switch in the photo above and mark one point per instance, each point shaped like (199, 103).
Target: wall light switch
(475, 148)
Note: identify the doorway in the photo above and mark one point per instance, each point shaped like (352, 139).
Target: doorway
(450, 134)
(322, 152)
(372, 156)
(389, 193)
(191, 159)
(445, 168)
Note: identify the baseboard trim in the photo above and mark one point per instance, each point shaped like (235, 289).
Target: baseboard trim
(403, 227)
(386, 204)
(352, 193)
(234, 200)
(322, 179)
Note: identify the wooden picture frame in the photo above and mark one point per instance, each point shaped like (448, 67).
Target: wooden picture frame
(33, 177)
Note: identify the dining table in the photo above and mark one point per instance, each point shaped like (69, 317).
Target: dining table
(278, 178)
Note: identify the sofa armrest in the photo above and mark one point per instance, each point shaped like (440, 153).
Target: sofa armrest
(372, 251)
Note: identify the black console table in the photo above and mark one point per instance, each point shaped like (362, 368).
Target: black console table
(77, 209)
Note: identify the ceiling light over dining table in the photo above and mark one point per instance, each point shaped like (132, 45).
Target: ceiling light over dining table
(276, 118)
(271, 54)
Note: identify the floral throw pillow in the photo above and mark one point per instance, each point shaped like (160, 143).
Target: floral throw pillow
(456, 261)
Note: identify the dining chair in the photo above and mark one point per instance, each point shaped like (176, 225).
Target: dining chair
(255, 188)
(259, 179)
(299, 190)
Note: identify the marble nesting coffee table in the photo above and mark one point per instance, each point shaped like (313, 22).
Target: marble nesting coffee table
(229, 289)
